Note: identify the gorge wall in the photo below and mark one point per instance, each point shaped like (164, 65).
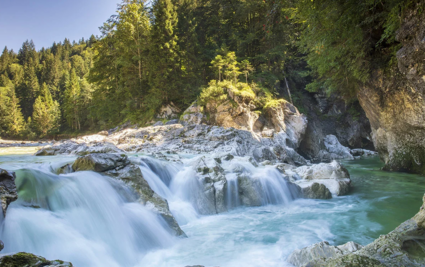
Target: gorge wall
(394, 100)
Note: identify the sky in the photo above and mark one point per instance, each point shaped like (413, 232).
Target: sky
(48, 21)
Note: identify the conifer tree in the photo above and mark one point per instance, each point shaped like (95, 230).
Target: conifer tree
(71, 101)
(11, 119)
(46, 114)
(165, 61)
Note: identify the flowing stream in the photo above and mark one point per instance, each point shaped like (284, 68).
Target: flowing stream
(90, 220)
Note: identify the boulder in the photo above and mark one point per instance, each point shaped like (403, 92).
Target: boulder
(74, 148)
(193, 115)
(100, 162)
(23, 259)
(8, 191)
(320, 252)
(316, 191)
(335, 149)
(332, 175)
(169, 111)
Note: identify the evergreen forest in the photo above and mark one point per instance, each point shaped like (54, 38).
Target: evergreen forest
(150, 54)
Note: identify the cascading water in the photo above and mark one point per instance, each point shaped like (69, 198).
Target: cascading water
(81, 218)
(92, 220)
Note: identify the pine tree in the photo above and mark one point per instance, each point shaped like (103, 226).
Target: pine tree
(165, 61)
(71, 101)
(46, 114)
(28, 90)
(11, 119)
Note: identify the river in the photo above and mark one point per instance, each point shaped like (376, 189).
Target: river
(83, 218)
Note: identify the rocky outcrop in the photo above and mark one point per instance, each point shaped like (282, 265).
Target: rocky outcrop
(168, 112)
(402, 247)
(120, 168)
(316, 191)
(331, 175)
(394, 99)
(331, 115)
(23, 259)
(80, 147)
(8, 191)
(320, 252)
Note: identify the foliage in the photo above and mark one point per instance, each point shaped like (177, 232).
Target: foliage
(345, 40)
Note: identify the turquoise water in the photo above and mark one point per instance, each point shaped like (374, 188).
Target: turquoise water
(265, 236)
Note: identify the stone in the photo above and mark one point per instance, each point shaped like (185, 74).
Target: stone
(23, 259)
(8, 191)
(158, 123)
(100, 162)
(80, 147)
(175, 121)
(394, 100)
(319, 253)
(335, 149)
(169, 111)
(316, 191)
(333, 175)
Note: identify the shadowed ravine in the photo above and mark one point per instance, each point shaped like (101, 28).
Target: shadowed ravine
(92, 220)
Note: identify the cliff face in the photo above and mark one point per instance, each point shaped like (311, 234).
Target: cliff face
(394, 100)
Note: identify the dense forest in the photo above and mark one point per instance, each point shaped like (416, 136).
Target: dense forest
(153, 53)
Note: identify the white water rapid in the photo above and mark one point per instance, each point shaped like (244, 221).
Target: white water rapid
(93, 220)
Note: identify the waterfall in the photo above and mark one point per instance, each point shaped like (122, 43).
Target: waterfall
(93, 220)
(80, 218)
(189, 196)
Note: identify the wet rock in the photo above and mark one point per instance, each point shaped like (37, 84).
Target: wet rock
(158, 123)
(23, 259)
(332, 175)
(249, 191)
(358, 152)
(100, 162)
(74, 148)
(316, 191)
(8, 191)
(317, 254)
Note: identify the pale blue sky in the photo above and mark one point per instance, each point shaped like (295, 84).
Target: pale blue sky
(47, 21)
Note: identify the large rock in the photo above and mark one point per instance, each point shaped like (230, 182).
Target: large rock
(8, 192)
(394, 99)
(100, 162)
(120, 168)
(23, 259)
(79, 148)
(332, 175)
(320, 252)
(331, 115)
(316, 191)
(169, 111)
(193, 115)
